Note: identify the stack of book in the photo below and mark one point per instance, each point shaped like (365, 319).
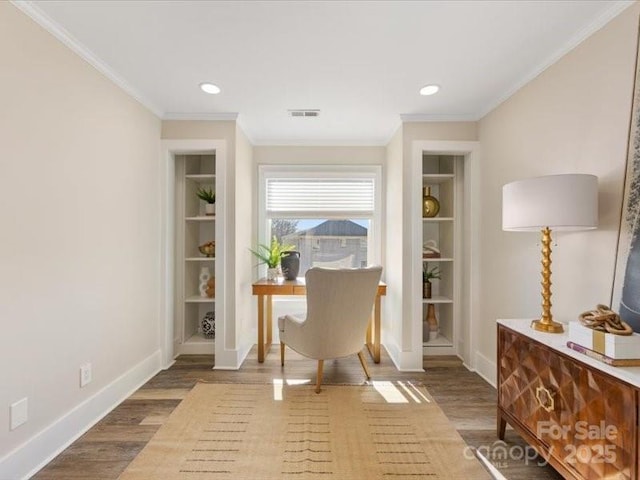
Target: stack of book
(614, 350)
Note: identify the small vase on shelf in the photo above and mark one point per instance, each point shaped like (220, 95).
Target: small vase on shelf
(426, 289)
(432, 321)
(210, 208)
(430, 204)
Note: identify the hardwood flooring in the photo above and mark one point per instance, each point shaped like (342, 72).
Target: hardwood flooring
(468, 401)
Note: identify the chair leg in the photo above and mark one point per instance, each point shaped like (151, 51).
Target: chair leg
(282, 354)
(319, 379)
(363, 362)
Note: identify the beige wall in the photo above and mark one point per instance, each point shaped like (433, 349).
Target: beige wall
(79, 190)
(198, 129)
(573, 118)
(319, 155)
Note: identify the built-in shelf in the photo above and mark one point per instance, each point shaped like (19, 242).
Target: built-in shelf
(439, 341)
(437, 299)
(201, 178)
(437, 178)
(441, 178)
(199, 299)
(193, 229)
(199, 338)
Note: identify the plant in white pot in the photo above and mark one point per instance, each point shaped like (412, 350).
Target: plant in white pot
(271, 254)
(209, 197)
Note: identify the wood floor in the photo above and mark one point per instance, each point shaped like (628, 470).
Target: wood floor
(467, 400)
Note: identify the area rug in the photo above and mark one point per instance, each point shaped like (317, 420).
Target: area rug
(273, 432)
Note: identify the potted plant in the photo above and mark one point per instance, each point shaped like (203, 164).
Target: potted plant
(270, 254)
(428, 274)
(208, 196)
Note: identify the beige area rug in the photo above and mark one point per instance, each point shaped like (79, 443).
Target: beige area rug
(274, 432)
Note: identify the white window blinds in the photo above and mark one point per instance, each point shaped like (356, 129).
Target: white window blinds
(311, 196)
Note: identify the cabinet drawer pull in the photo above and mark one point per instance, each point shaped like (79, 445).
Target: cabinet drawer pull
(545, 398)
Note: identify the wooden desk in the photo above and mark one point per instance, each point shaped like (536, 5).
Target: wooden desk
(265, 290)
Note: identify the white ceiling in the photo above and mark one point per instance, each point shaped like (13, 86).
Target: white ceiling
(360, 62)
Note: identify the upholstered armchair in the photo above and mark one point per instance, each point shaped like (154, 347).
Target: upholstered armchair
(339, 306)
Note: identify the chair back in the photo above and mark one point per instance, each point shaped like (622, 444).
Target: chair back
(339, 307)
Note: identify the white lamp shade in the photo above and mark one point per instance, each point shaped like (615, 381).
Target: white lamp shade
(560, 202)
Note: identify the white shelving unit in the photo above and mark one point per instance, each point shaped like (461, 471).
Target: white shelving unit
(193, 228)
(442, 174)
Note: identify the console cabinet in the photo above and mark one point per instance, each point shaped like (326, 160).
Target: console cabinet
(580, 415)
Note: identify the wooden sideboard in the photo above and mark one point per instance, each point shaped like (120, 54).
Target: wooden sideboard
(579, 414)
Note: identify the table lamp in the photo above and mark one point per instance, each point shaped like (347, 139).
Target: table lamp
(553, 202)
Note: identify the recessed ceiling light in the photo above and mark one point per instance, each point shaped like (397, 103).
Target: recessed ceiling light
(429, 89)
(210, 88)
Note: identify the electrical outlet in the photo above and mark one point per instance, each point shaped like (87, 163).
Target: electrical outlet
(85, 374)
(18, 413)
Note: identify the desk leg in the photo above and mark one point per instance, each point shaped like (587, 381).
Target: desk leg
(373, 332)
(260, 328)
(269, 323)
(263, 347)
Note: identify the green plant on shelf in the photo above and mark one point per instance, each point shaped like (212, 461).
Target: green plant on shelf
(206, 194)
(429, 274)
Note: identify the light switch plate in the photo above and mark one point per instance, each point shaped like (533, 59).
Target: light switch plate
(85, 374)
(18, 413)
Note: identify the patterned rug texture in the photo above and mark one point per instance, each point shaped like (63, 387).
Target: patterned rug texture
(273, 432)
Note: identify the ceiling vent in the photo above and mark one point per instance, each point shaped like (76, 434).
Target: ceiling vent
(304, 113)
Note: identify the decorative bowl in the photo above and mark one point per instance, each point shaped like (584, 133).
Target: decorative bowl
(208, 249)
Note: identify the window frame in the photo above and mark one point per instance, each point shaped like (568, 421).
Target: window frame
(374, 172)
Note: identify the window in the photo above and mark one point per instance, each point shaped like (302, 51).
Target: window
(330, 214)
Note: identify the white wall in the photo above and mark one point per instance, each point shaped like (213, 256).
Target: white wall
(246, 309)
(573, 118)
(79, 237)
(392, 319)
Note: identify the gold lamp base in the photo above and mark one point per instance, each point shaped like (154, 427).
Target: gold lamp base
(546, 323)
(548, 327)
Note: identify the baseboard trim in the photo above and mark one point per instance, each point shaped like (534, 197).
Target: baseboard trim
(232, 359)
(400, 359)
(486, 368)
(27, 459)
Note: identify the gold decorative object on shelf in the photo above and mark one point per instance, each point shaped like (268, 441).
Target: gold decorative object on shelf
(208, 249)
(430, 204)
(604, 319)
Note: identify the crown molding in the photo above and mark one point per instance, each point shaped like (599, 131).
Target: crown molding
(427, 117)
(614, 10)
(200, 116)
(42, 19)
